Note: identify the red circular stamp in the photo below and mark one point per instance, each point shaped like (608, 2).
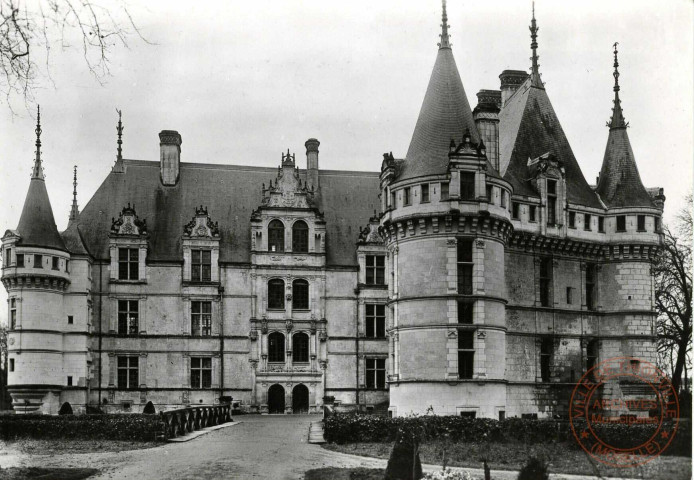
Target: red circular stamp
(624, 412)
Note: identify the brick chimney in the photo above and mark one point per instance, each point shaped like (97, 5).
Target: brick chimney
(312, 163)
(510, 81)
(486, 116)
(170, 158)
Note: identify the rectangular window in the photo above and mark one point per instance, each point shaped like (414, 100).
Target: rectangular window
(55, 263)
(490, 194)
(515, 210)
(444, 190)
(545, 281)
(590, 286)
(572, 219)
(641, 223)
(587, 219)
(69, 381)
(569, 295)
(465, 265)
(468, 414)
(621, 223)
(20, 260)
(38, 261)
(200, 372)
(407, 197)
(532, 213)
(8, 257)
(546, 352)
(656, 228)
(128, 264)
(128, 373)
(375, 320)
(503, 199)
(393, 198)
(425, 193)
(201, 265)
(70, 320)
(601, 224)
(502, 415)
(128, 315)
(551, 202)
(13, 313)
(591, 354)
(376, 373)
(465, 310)
(466, 353)
(11, 364)
(67, 266)
(201, 318)
(467, 186)
(375, 270)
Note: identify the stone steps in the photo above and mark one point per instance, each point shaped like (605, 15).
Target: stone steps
(315, 432)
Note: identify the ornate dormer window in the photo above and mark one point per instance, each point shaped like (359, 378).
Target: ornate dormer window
(548, 177)
(467, 164)
(128, 246)
(201, 248)
(372, 255)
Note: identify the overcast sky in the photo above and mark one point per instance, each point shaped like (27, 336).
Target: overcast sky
(244, 81)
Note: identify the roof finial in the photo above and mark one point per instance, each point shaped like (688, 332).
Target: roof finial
(617, 120)
(119, 129)
(37, 171)
(74, 212)
(445, 43)
(535, 69)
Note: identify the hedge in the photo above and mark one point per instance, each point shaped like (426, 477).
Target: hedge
(137, 427)
(354, 427)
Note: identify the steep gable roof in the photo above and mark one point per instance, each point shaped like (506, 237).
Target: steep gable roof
(230, 194)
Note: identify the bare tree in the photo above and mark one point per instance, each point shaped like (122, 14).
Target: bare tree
(673, 296)
(31, 29)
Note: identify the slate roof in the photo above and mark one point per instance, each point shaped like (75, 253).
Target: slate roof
(37, 225)
(445, 114)
(528, 128)
(230, 193)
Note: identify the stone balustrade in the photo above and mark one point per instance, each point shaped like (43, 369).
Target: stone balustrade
(184, 420)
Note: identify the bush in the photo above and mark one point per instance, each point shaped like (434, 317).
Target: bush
(404, 463)
(86, 427)
(353, 427)
(149, 409)
(535, 469)
(65, 409)
(92, 410)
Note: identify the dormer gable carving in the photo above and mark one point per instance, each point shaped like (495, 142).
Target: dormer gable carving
(288, 191)
(128, 223)
(371, 234)
(201, 225)
(547, 165)
(467, 148)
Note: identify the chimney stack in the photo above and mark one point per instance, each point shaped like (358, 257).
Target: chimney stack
(486, 116)
(510, 81)
(312, 162)
(170, 158)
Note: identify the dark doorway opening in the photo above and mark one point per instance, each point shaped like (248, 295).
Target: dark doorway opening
(275, 399)
(300, 399)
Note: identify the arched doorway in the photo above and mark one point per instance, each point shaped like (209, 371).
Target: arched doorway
(275, 399)
(300, 399)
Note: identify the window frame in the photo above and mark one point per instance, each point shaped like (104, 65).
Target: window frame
(300, 237)
(200, 373)
(375, 373)
(305, 297)
(13, 313)
(275, 236)
(515, 210)
(640, 223)
(200, 265)
(572, 219)
(620, 219)
(125, 324)
(38, 260)
(467, 186)
(276, 349)
(275, 291)
(587, 219)
(445, 188)
(301, 354)
(375, 274)
(601, 224)
(406, 196)
(546, 354)
(551, 202)
(200, 319)
(424, 188)
(546, 274)
(375, 320)
(18, 257)
(532, 213)
(466, 351)
(590, 285)
(465, 266)
(128, 267)
(466, 313)
(8, 257)
(132, 372)
(55, 263)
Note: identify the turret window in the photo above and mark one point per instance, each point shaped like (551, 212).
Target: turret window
(375, 269)
(275, 294)
(490, 194)
(375, 320)
(407, 196)
(444, 190)
(515, 207)
(275, 344)
(20, 260)
(503, 199)
(551, 202)
(38, 261)
(572, 219)
(467, 186)
(532, 213)
(591, 354)
(67, 266)
(641, 223)
(128, 373)
(128, 316)
(466, 353)
(546, 353)
(464, 252)
(621, 223)
(465, 316)
(300, 295)
(590, 286)
(275, 241)
(300, 348)
(201, 265)
(200, 372)
(656, 226)
(11, 364)
(55, 263)
(601, 224)
(545, 281)
(300, 237)
(201, 318)
(587, 219)
(425, 193)
(128, 264)
(8, 257)
(13, 313)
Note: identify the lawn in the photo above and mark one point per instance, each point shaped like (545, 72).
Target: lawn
(36, 473)
(563, 458)
(60, 446)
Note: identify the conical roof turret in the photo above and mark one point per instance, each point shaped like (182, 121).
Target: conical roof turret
(444, 116)
(37, 225)
(619, 184)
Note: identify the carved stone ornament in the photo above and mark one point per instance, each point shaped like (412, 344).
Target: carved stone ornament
(451, 242)
(481, 334)
(128, 223)
(201, 225)
(479, 243)
(253, 335)
(288, 190)
(323, 364)
(323, 336)
(263, 326)
(371, 234)
(313, 326)
(289, 324)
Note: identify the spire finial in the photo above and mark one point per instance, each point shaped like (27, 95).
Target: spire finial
(37, 171)
(535, 69)
(119, 129)
(74, 212)
(445, 41)
(617, 120)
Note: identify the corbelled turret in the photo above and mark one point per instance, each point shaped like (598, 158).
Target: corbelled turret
(620, 184)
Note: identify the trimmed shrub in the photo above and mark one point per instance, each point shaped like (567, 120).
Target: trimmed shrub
(65, 409)
(404, 463)
(92, 410)
(535, 469)
(149, 409)
(137, 427)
